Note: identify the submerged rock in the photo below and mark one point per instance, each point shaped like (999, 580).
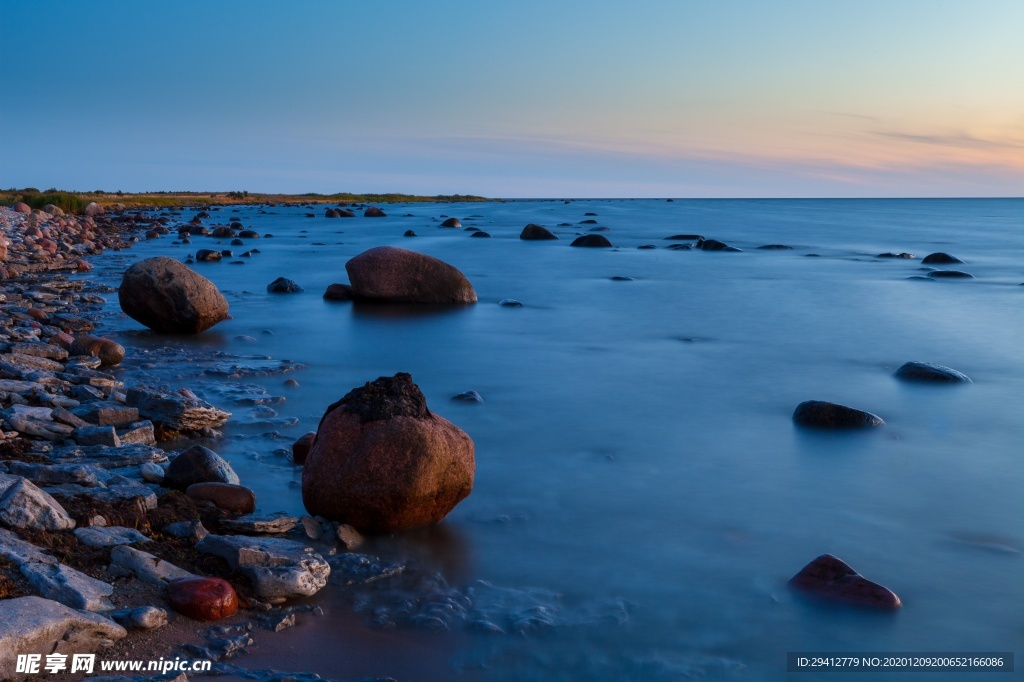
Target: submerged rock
(927, 372)
(950, 274)
(168, 297)
(715, 245)
(383, 462)
(831, 578)
(592, 240)
(826, 415)
(534, 232)
(374, 212)
(391, 275)
(940, 258)
(282, 285)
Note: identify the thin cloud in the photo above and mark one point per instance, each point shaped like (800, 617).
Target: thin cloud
(958, 140)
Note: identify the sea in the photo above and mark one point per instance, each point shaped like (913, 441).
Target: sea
(642, 495)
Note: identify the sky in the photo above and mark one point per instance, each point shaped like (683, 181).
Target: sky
(698, 98)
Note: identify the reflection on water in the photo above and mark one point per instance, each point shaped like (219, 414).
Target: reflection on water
(641, 492)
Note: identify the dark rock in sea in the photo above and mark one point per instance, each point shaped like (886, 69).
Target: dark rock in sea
(331, 213)
(831, 578)
(889, 254)
(468, 397)
(714, 245)
(198, 464)
(268, 236)
(685, 238)
(227, 496)
(223, 232)
(775, 247)
(669, 200)
(510, 303)
(950, 274)
(600, 229)
(208, 255)
(471, 229)
(235, 225)
(382, 462)
(186, 240)
(680, 247)
(388, 274)
(313, 215)
(237, 242)
(374, 212)
(249, 234)
(646, 247)
(409, 233)
(109, 352)
(621, 278)
(592, 240)
(479, 233)
(564, 224)
(590, 213)
(152, 234)
(203, 599)
(300, 448)
(940, 258)
(282, 285)
(927, 372)
(168, 297)
(345, 213)
(226, 253)
(451, 222)
(588, 222)
(826, 415)
(338, 292)
(534, 232)
(198, 231)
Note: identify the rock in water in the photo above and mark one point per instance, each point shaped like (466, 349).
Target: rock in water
(826, 415)
(198, 465)
(940, 258)
(338, 292)
(592, 240)
(451, 222)
(282, 285)
(831, 578)
(388, 274)
(300, 448)
(382, 462)
(168, 297)
(202, 598)
(534, 232)
(925, 371)
(109, 352)
(374, 212)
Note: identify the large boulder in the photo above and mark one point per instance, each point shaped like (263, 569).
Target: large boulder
(382, 462)
(168, 297)
(21, 207)
(388, 274)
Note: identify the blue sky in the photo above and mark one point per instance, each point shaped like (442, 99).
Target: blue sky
(524, 99)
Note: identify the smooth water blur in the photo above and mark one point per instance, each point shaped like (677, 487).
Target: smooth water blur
(636, 460)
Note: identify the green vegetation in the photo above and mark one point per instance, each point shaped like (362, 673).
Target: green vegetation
(75, 202)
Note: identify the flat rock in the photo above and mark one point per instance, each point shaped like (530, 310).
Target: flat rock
(175, 411)
(268, 524)
(107, 414)
(108, 536)
(141, 618)
(927, 372)
(33, 625)
(68, 586)
(146, 567)
(278, 569)
(822, 414)
(831, 578)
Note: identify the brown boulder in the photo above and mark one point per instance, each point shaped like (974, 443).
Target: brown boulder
(374, 212)
(21, 207)
(168, 297)
(535, 232)
(109, 352)
(300, 448)
(382, 462)
(227, 496)
(388, 274)
(202, 598)
(832, 578)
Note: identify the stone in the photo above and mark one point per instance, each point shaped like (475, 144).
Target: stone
(24, 505)
(826, 415)
(54, 580)
(468, 397)
(283, 286)
(33, 625)
(480, 233)
(592, 240)
(331, 213)
(715, 245)
(145, 566)
(107, 414)
(188, 530)
(21, 207)
(927, 372)
(141, 618)
(312, 527)
(940, 258)
(208, 255)
(388, 274)
(338, 292)
(278, 569)
(451, 222)
(268, 524)
(950, 274)
(510, 303)
(227, 496)
(300, 448)
(93, 209)
(534, 232)
(202, 599)
(831, 578)
(175, 411)
(349, 537)
(383, 462)
(374, 212)
(109, 352)
(198, 464)
(141, 433)
(409, 233)
(249, 234)
(152, 473)
(96, 435)
(168, 297)
(109, 536)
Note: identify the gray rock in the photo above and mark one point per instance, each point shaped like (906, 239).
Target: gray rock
(190, 530)
(822, 414)
(278, 569)
(23, 505)
(107, 414)
(146, 567)
(141, 433)
(32, 625)
(262, 523)
(178, 412)
(68, 586)
(109, 536)
(51, 474)
(927, 372)
(97, 435)
(112, 494)
(282, 285)
(199, 464)
(151, 473)
(348, 536)
(141, 618)
(312, 528)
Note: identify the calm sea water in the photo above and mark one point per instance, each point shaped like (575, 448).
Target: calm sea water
(640, 484)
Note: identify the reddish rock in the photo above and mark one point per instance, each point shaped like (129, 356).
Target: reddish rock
(21, 207)
(832, 578)
(300, 448)
(391, 275)
(383, 462)
(374, 212)
(109, 352)
(202, 598)
(82, 266)
(62, 340)
(227, 496)
(168, 297)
